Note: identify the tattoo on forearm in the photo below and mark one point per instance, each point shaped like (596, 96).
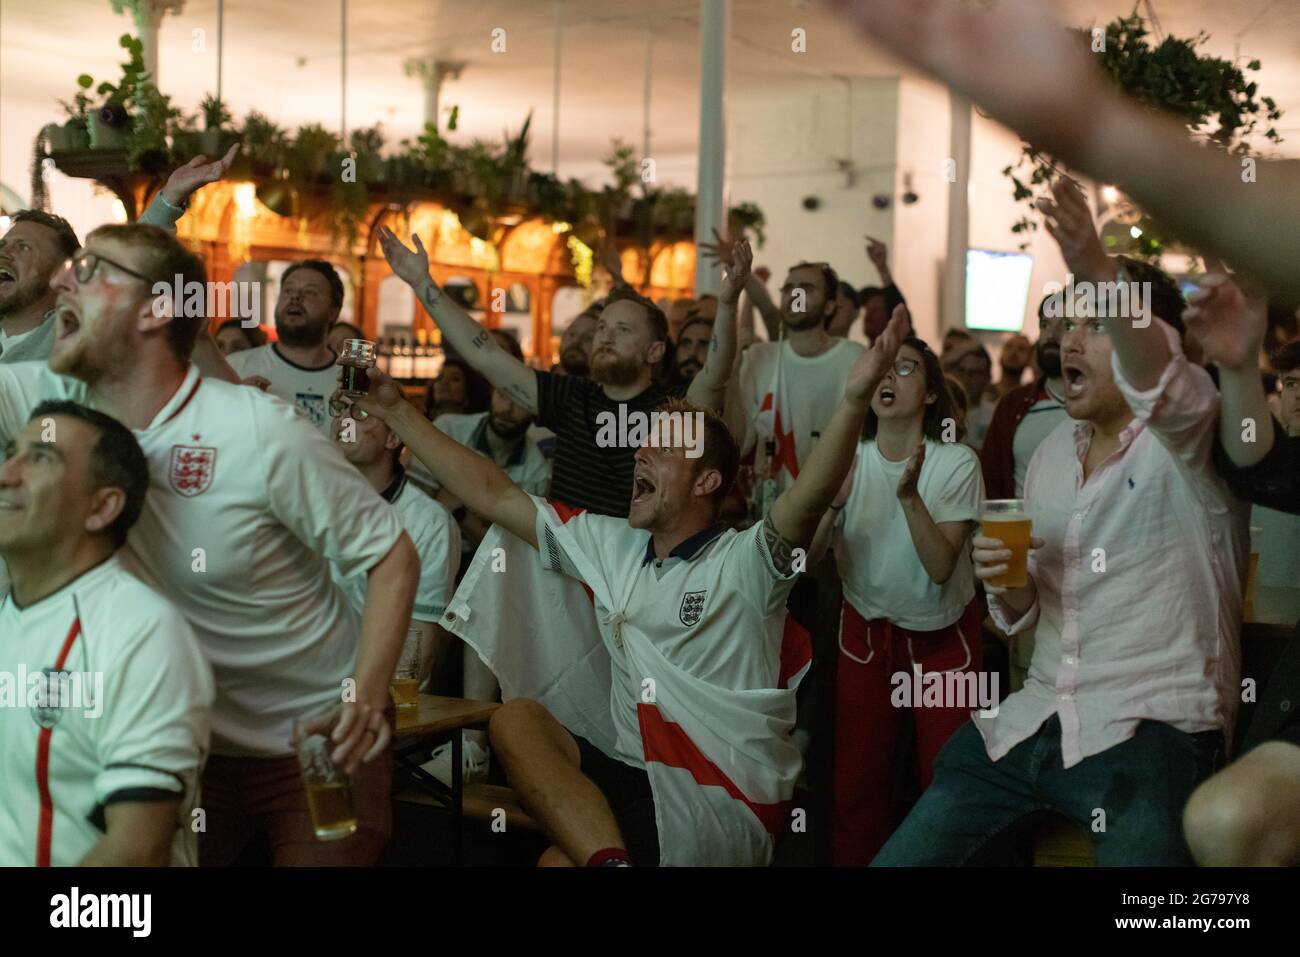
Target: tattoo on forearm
(778, 546)
(432, 294)
(480, 340)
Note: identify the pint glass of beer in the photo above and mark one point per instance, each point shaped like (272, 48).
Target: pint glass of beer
(329, 790)
(405, 686)
(1006, 520)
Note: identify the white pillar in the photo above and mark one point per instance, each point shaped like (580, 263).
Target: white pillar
(556, 60)
(954, 271)
(432, 73)
(709, 214)
(148, 16)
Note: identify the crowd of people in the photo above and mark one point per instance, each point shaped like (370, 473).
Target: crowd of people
(705, 620)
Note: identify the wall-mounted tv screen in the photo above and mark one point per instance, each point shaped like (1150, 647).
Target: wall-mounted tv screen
(997, 288)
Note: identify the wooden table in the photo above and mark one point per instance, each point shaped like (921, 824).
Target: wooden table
(421, 728)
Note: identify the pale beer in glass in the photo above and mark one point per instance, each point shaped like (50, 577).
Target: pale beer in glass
(405, 686)
(329, 790)
(1006, 520)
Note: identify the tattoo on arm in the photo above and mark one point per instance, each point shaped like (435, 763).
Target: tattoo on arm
(480, 340)
(432, 294)
(778, 546)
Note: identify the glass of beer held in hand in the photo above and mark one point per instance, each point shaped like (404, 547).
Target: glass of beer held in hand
(1006, 520)
(329, 789)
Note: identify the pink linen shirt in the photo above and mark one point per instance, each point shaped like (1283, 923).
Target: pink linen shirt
(1140, 579)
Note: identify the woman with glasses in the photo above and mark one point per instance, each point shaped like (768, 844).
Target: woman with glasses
(900, 527)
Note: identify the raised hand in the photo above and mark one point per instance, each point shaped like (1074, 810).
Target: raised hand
(412, 265)
(1227, 322)
(879, 359)
(720, 250)
(736, 274)
(198, 172)
(878, 253)
(1069, 221)
(907, 487)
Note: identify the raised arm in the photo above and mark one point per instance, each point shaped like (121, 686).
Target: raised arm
(1230, 327)
(171, 201)
(1025, 70)
(474, 479)
(1139, 343)
(796, 513)
(710, 384)
(464, 335)
(722, 251)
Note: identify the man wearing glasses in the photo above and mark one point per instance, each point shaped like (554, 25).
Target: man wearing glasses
(249, 505)
(37, 244)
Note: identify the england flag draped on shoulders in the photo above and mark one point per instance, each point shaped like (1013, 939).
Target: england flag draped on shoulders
(689, 672)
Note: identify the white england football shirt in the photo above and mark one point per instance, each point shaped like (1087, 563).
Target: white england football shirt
(135, 726)
(715, 607)
(813, 387)
(247, 507)
(437, 540)
(882, 573)
(308, 390)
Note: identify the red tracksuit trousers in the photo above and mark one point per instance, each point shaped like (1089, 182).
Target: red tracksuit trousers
(867, 724)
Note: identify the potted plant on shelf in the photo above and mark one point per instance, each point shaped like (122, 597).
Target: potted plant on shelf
(747, 216)
(514, 163)
(110, 125)
(154, 121)
(264, 147)
(1212, 97)
(310, 152)
(214, 140)
(366, 144)
(75, 133)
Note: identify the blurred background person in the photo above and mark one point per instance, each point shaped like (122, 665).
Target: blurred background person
(233, 336)
(1013, 360)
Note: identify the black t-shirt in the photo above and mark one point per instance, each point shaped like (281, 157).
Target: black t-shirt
(1273, 481)
(585, 474)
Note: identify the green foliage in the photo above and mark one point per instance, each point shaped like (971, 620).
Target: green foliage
(216, 116)
(153, 121)
(748, 216)
(623, 166)
(368, 140)
(264, 141)
(1211, 96)
(79, 108)
(122, 94)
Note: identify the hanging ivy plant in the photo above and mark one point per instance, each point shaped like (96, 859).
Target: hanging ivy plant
(1211, 96)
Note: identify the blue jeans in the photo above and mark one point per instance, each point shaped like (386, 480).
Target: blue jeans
(1141, 785)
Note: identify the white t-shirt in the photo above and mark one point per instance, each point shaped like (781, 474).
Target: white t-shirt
(307, 390)
(714, 608)
(437, 541)
(813, 388)
(133, 722)
(882, 573)
(1043, 416)
(247, 507)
